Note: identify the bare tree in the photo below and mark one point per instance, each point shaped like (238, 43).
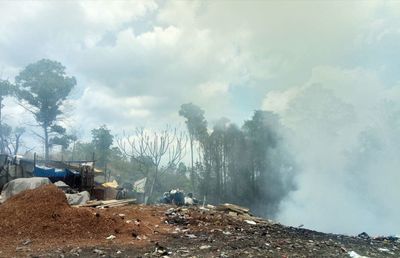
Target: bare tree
(164, 149)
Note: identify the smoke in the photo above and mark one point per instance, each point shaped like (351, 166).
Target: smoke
(345, 136)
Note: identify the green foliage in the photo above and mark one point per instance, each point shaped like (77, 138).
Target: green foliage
(102, 139)
(83, 151)
(42, 88)
(195, 121)
(44, 85)
(64, 141)
(5, 134)
(245, 166)
(6, 88)
(10, 138)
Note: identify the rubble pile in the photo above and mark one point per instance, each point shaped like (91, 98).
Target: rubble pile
(232, 231)
(45, 212)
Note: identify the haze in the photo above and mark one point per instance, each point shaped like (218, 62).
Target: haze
(328, 70)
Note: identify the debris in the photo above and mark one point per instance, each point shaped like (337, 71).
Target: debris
(227, 207)
(203, 247)
(22, 249)
(191, 236)
(98, 251)
(111, 237)
(364, 235)
(197, 232)
(78, 198)
(26, 242)
(251, 222)
(387, 238)
(21, 184)
(108, 203)
(75, 251)
(356, 255)
(233, 214)
(385, 250)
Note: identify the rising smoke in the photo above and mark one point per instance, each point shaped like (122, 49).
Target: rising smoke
(345, 134)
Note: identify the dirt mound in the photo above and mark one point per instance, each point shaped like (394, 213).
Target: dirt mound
(45, 212)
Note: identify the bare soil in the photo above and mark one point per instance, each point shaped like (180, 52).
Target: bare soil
(40, 223)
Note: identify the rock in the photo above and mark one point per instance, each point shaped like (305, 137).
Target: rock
(75, 251)
(111, 237)
(203, 247)
(22, 249)
(26, 242)
(251, 222)
(98, 251)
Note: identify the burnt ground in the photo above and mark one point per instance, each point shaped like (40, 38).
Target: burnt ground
(167, 231)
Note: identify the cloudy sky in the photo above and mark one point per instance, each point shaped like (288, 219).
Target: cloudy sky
(330, 69)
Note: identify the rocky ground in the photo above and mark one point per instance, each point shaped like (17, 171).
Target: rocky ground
(166, 231)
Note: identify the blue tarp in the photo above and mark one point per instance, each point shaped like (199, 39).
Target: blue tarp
(55, 174)
(40, 171)
(71, 172)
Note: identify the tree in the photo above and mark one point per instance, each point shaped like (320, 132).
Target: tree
(102, 140)
(197, 128)
(5, 90)
(5, 132)
(165, 148)
(11, 138)
(42, 89)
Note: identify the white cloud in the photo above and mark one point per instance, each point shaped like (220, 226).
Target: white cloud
(211, 89)
(113, 14)
(98, 106)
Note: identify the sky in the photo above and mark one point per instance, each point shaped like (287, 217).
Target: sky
(329, 69)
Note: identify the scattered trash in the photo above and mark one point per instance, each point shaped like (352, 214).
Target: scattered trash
(22, 249)
(364, 235)
(75, 251)
(191, 236)
(356, 255)
(387, 238)
(98, 251)
(250, 222)
(111, 237)
(385, 250)
(26, 242)
(203, 247)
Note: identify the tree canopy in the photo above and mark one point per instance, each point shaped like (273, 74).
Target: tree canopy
(102, 139)
(42, 88)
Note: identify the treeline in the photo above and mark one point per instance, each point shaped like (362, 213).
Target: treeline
(223, 162)
(247, 165)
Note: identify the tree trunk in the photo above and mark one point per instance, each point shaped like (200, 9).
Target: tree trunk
(152, 185)
(17, 139)
(46, 143)
(191, 156)
(3, 149)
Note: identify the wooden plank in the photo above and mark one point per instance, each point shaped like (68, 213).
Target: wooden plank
(232, 207)
(107, 203)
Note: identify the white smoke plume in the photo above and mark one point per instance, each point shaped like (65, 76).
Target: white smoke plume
(345, 135)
